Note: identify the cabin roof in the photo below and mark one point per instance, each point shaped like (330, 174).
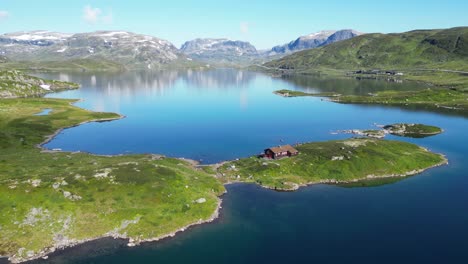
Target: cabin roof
(284, 148)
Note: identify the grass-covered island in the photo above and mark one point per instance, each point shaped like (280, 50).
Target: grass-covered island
(342, 161)
(403, 130)
(50, 200)
(412, 130)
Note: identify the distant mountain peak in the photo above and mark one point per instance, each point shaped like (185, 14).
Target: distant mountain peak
(314, 40)
(201, 45)
(320, 34)
(219, 50)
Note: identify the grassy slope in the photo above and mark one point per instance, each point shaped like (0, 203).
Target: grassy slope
(355, 159)
(160, 191)
(18, 84)
(428, 49)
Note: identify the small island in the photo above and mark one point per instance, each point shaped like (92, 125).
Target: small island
(342, 161)
(50, 200)
(403, 130)
(413, 130)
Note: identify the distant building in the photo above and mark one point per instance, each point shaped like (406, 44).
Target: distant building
(280, 152)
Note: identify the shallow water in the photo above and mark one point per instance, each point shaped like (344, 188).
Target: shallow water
(44, 112)
(225, 114)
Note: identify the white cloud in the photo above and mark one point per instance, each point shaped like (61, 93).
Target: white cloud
(4, 15)
(108, 19)
(94, 15)
(91, 15)
(244, 27)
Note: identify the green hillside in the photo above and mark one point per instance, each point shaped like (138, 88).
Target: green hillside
(421, 49)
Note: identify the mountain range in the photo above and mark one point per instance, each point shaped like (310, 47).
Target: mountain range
(120, 47)
(127, 50)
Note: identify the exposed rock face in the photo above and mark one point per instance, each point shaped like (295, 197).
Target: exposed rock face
(219, 50)
(314, 40)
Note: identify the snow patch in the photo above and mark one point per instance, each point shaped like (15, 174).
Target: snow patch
(45, 87)
(112, 33)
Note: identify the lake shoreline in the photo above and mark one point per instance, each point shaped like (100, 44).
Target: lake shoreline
(44, 254)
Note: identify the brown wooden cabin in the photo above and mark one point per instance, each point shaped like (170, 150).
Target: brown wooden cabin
(280, 152)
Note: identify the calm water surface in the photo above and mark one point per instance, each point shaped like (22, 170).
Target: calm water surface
(224, 114)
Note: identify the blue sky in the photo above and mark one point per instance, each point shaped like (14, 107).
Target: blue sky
(263, 23)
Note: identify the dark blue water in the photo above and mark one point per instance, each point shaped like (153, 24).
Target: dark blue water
(225, 114)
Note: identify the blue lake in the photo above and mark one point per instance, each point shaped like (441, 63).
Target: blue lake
(219, 115)
(216, 115)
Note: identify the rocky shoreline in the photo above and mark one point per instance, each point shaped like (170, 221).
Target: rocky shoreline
(131, 241)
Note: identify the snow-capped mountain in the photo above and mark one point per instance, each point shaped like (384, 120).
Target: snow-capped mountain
(121, 46)
(28, 42)
(129, 49)
(219, 50)
(38, 37)
(314, 40)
